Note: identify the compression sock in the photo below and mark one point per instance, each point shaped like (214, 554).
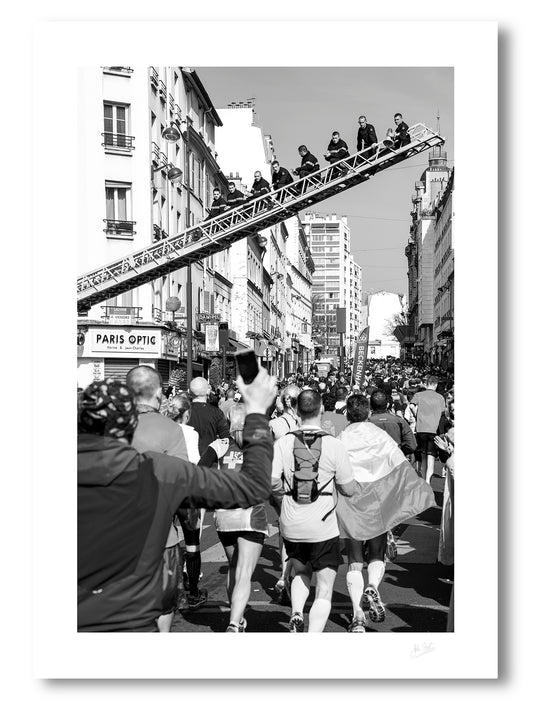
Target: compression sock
(318, 615)
(356, 585)
(194, 565)
(376, 570)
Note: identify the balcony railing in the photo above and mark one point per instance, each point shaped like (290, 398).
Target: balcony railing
(162, 90)
(120, 228)
(119, 69)
(118, 141)
(154, 76)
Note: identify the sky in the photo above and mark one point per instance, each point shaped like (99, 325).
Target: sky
(303, 105)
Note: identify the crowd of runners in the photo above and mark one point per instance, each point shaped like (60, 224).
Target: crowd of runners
(341, 466)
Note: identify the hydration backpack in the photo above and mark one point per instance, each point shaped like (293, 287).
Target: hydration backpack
(307, 451)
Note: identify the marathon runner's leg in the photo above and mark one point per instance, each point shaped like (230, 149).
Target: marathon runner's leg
(319, 613)
(354, 577)
(248, 554)
(300, 585)
(231, 555)
(376, 570)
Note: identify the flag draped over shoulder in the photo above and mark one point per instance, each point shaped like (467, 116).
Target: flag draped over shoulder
(389, 490)
(359, 360)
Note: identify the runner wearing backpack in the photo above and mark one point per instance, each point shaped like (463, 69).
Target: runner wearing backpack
(309, 466)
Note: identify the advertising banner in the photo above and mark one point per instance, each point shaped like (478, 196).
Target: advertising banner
(211, 338)
(359, 362)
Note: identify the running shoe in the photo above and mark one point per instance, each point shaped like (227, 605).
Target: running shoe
(182, 601)
(197, 601)
(375, 605)
(296, 624)
(391, 551)
(358, 624)
(234, 628)
(281, 593)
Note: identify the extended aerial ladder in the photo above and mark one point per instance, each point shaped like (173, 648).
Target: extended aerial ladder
(214, 235)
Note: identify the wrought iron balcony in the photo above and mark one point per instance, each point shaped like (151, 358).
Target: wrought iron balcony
(154, 76)
(119, 69)
(118, 141)
(120, 228)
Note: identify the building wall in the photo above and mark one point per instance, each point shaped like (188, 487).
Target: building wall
(336, 280)
(382, 306)
(420, 251)
(156, 208)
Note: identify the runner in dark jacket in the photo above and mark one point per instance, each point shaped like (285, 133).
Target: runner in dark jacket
(126, 501)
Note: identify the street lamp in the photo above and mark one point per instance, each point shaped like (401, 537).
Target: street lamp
(174, 173)
(172, 133)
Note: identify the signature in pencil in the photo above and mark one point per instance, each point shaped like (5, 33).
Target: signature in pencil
(422, 649)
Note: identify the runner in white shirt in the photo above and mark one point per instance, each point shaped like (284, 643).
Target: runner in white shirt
(309, 530)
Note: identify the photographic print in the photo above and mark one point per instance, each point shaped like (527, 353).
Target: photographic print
(268, 350)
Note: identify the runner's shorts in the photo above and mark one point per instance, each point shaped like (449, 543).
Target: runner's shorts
(426, 444)
(230, 537)
(326, 553)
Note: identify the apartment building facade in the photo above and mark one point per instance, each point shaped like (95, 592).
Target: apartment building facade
(417, 339)
(137, 187)
(336, 283)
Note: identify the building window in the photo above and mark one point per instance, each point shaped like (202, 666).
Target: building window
(119, 223)
(115, 134)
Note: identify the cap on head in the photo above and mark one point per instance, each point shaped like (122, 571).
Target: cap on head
(199, 386)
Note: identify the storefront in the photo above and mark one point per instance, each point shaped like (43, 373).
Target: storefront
(111, 351)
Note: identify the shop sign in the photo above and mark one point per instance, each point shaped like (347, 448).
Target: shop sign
(211, 338)
(123, 342)
(120, 315)
(208, 317)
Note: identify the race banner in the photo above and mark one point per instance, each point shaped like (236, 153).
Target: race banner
(359, 361)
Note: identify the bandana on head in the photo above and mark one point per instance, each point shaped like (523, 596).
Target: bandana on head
(107, 408)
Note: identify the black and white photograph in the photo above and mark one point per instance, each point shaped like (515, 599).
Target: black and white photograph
(321, 245)
(270, 341)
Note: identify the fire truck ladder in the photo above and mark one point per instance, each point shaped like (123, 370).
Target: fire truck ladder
(214, 235)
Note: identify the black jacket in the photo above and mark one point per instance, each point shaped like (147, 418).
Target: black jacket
(236, 198)
(337, 151)
(281, 178)
(366, 136)
(308, 166)
(218, 206)
(209, 422)
(401, 135)
(126, 501)
(398, 428)
(260, 188)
